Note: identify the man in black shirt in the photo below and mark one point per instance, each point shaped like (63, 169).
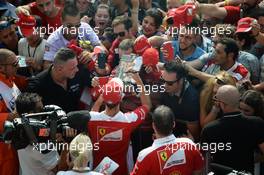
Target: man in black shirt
(182, 98)
(62, 83)
(236, 136)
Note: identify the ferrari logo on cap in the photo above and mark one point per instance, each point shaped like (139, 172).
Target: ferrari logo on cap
(163, 155)
(101, 131)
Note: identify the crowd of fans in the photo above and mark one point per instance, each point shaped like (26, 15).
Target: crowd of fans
(158, 79)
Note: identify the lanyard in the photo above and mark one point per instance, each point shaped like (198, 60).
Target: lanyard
(34, 49)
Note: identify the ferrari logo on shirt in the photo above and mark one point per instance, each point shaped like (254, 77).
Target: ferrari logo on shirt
(109, 133)
(102, 131)
(169, 159)
(163, 156)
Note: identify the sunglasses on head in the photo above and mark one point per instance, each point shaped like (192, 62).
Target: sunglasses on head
(121, 34)
(170, 83)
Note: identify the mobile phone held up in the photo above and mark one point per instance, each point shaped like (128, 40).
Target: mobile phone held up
(137, 64)
(22, 61)
(101, 60)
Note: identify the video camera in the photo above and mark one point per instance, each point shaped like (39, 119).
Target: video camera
(42, 127)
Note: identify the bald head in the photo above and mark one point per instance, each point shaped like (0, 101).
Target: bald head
(229, 95)
(5, 54)
(163, 119)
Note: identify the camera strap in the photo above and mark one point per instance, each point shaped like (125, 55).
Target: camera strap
(53, 130)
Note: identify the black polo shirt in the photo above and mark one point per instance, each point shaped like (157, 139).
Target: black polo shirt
(233, 139)
(53, 93)
(186, 108)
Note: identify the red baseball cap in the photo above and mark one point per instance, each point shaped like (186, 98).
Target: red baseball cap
(26, 24)
(183, 15)
(244, 24)
(150, 57)
(113, 91)
(96, 91)
(141, 44)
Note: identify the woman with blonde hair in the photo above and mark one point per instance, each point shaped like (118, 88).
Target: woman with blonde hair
(209, 111)
(81, 153)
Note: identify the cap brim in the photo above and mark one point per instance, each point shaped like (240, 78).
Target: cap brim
(243, 30)
(27, 31)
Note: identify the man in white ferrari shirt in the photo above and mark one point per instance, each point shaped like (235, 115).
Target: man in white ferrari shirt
(168, 154)
(112, 128)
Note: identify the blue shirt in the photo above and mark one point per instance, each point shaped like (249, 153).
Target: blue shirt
(207, 44)
(196, 54)
(56, 40)
(8, 8)
(251, 62)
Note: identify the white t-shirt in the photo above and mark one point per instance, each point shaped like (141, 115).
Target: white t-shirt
(25, 50)
(77, 173)
(32, 162)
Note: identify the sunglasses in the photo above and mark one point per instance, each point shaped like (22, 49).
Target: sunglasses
(71, 26)
(219, 81)
(121, 34)
(170, 83)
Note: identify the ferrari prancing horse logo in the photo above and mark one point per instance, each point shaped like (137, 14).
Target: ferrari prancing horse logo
(102, 131)
(163, 155)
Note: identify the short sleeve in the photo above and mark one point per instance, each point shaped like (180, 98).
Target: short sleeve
(87, 33)
(233, 14)
(50, 51)
(137, 116)
(141, 112)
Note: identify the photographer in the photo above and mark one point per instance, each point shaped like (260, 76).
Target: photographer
(10, 86)
(32, 160)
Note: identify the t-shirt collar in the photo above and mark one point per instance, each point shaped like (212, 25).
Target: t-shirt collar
(164, 140)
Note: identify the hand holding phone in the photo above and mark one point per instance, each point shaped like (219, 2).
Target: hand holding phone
(101, 60)
(22, 61)
(137, 64)
(178, 59)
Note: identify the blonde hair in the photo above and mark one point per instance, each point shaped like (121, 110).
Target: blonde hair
(206, 94)
(81, 151)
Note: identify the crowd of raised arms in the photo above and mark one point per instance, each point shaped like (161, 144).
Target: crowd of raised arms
(138, 87)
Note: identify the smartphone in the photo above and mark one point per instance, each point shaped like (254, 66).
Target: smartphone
(101, 60)
(169, 48)
(22, 61)
(137, 64)
(178, 59)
